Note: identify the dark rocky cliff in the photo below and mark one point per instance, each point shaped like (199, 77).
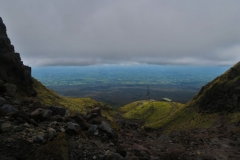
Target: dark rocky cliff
(12, 69)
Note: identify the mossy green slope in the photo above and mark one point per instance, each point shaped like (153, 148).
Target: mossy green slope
(189, 118)
(167, 115)
(154, 114)
(49, 97)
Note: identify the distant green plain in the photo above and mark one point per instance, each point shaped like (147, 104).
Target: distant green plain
(120, 85)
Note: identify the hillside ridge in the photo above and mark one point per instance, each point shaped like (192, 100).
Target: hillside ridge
(220, 95)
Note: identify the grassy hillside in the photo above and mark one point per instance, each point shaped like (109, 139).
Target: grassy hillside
(189, 118)
(167, 115)
(153, 113)
(49, 97)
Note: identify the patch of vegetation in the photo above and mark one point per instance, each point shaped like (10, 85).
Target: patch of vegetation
(153, 113)
(130, 106)
(150, 111)
(115, 126)
(234, 117)
(167, 116)
(188, 118)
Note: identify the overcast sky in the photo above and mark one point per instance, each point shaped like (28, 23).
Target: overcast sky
(84, 32)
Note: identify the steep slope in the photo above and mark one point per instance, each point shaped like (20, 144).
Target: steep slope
(217, 103)
(220, 95)
(12, 69)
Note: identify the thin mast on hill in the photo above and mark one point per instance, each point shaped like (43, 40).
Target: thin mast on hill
(148, 94)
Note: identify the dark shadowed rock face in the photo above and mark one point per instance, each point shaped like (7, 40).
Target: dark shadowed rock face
(12, 69)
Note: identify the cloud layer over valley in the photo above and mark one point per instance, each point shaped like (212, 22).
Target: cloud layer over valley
(201, 32)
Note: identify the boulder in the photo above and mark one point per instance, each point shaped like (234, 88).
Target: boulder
(81, 121)
(20, 120)
(67, 119)
(96, 110)
(138, 147)
(37, 114)
(122, 152)
(17, 102)
(38, 139)
(73, 127)
(2, 101)
(10, 89)
(67, 113)
(51, 133)
(62, 130)
(93, 130)
(47, 114)
(6, 127)
(114, 156)
(26, 125)
(18, 128)
(121, 122)
(2, 88)
(57, 118)
(20, 114)
(8, 109)
(33, 122)
(35, 105)
(58, 111)
(91, 115)
(1, 83)
(107, 128)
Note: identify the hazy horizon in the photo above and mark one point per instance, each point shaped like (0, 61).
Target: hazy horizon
(118, 85)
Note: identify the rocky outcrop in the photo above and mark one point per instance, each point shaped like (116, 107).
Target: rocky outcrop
(222, 94)
(24, 136)
(12, 69)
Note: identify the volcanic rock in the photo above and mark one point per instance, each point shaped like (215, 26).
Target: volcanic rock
(5, 127)
(8, 108)
(10, 89)
(47, 114)
(2, 101)
(114, 156)
(58, 111)
(107, 128)
(12, 69)
(18, 128)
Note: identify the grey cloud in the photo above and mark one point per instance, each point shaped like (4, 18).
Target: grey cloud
(89, 32)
